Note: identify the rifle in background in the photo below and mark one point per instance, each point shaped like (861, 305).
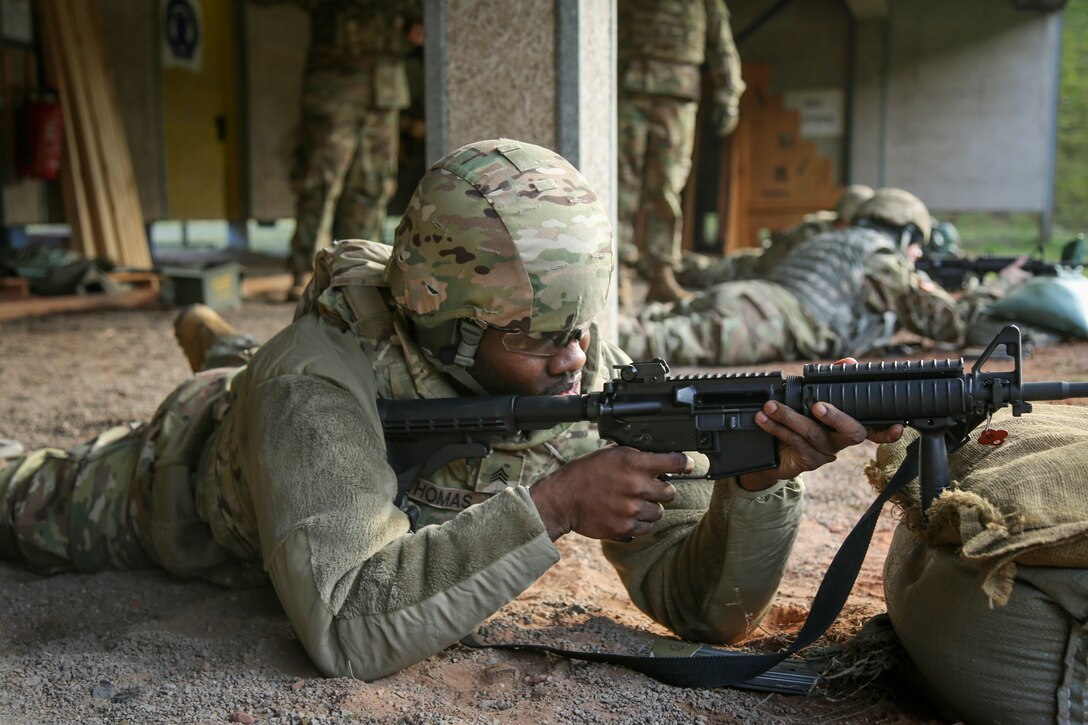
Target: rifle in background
(952, 272)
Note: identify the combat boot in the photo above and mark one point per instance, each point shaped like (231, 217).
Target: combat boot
(664, 287)
(197, 328)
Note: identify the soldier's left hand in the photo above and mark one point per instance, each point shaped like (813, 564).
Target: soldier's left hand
(807, 444)
(725, 119)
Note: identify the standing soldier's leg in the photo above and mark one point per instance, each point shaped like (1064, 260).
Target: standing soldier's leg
(633, 120)
(326, 147)
(668, 163)
(372, 178)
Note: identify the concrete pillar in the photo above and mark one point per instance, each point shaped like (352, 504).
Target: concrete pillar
(541, 71)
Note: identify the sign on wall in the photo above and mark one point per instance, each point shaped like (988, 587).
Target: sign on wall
(821, 112)
(182, 35)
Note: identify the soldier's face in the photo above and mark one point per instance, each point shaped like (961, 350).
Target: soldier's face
(503, 372)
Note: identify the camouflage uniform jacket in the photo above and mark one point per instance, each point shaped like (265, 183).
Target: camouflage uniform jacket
(366, 40)
(663, 43)
(298, 477)
(702, 270)
(850, 280)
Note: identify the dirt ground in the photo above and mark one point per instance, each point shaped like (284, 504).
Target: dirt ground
(144, 647)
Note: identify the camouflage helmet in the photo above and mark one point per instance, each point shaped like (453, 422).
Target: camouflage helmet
(504, 234)
(852, 198)
(899, 211)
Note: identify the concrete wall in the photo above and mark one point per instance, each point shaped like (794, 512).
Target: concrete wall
(965, 105)
(546, 76)
(501, 93)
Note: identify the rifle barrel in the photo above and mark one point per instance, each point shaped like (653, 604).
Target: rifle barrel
(1054, 390)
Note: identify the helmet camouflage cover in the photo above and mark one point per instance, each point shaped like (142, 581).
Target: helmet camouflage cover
(852, 198)
(503, 233)
(897, 208)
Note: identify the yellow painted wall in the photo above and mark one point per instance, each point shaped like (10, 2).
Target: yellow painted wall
(202, 171)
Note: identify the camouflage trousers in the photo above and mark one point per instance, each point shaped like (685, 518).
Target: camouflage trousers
(731, 324)
(125, 499)
(700, 271)
(346, 170)
(656, 135)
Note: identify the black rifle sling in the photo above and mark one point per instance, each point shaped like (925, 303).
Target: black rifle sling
(734, 671)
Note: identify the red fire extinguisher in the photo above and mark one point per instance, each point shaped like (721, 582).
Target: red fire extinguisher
(43, 134)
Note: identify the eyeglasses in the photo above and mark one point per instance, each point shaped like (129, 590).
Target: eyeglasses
(543, 344)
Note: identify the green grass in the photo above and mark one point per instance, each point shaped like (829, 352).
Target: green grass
(1008, 234)
(1071, 166)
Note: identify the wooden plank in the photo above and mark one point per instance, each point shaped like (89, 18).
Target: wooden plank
(38, 306)
(79, 68)
(82, 152)
(14, 288)
(76, 204)
(143, 280)
(120, 195)
(101, 196)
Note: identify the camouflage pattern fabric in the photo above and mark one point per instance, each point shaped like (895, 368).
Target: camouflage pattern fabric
(699, 271)
(354, 87)
(745, 322)
(125, 499)
(350, 292)
(63, 510)
(827, 275)
(504, 233)
(656, 138)
(737, 323)
(661, 46)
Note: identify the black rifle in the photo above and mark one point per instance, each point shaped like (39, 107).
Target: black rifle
(952, 272)
(715, 414)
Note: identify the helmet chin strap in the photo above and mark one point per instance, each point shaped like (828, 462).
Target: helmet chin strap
(470, 334)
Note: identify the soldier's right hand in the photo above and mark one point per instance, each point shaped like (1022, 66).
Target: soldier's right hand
(611, 493)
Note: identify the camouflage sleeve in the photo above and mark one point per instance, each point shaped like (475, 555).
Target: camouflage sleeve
(892, 284)
(365, 596)
(711, 567)
(723, 67)
(700, 271)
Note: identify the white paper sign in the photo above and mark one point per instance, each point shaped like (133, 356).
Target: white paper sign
(821, 112)
(182, 35)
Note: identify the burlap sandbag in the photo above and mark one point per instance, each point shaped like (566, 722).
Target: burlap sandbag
(990, 597)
